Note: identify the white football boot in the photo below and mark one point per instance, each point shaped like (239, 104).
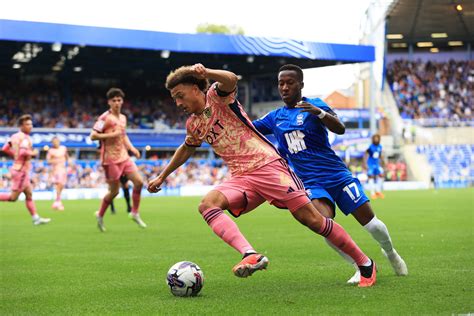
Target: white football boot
(41, 221)
(355, 279)
(398, 264)
(100, 222)
(136, 218)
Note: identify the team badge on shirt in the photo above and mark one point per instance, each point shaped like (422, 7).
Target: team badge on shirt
(299, 119)
(207, 112)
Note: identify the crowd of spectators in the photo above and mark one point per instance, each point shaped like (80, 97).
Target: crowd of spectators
(395, 170)
(80, 108)
(443, 91)
(90, 174)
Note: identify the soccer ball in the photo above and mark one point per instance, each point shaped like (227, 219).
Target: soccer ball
(185, 279)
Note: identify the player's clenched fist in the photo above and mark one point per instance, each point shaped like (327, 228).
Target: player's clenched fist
(200, 70)
(154, 185)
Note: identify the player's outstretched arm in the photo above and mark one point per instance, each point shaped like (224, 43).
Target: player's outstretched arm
(227, 80)
(181, 155)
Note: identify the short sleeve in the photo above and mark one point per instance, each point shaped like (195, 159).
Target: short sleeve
(218, 97)
(191, 140)
(99, 125)
(264, 124)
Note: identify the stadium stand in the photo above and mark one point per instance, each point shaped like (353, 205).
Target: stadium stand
(438, 93)
(452, 165)
(53, 108)
(89, 173)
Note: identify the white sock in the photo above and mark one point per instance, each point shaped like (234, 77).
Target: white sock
(379, 185)
(248, 252)
(35, 217)
(379, 232)
(372, 186)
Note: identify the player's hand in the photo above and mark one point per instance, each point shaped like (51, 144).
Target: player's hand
(154, 185)
(200, 71)
(308, 107)
(135, 152)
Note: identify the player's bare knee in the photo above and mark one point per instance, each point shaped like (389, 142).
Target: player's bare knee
(113, 193)
(138, 185)
(364, 214)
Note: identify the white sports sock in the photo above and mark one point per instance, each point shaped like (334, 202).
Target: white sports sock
(372, 186)
(379, 232)
(379, 185)
(342, 254)
(35, 217)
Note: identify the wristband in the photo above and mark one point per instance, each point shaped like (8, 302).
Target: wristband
(322, 114)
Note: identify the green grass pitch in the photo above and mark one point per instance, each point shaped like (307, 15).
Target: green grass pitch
(69, 267)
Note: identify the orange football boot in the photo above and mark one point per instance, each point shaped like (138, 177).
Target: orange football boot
(368, 282)
(250, 264)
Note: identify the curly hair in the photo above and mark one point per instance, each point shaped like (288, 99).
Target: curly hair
(115, 92)
(24, 118)
(297, 69)
(185, 75)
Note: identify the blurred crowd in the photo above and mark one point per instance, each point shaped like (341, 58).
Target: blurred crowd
(53, 109)
(394, 170)
(433, 90)
(90, 174)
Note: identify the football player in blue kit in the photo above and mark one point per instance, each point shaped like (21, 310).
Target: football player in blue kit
(373, 162)
(300, 127)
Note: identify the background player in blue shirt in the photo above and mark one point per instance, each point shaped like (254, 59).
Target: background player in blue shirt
(300, 128)
(373, 163)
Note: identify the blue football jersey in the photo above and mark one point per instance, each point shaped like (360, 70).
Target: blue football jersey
(303, 141)
(374, 151)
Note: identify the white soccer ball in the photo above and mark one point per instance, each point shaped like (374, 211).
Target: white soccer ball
(185, 279)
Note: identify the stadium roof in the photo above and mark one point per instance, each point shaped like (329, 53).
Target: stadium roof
(108, 48)
(437, 21)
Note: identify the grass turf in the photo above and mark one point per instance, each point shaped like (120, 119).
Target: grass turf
(69, 267)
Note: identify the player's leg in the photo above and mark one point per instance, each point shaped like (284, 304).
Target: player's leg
(58, 203)
(112, 192)
(372, 186)
(137, 181)
(31, 206)
(287, 190)
(310, 217)
(126, 192)
(378, 230)
(19, 183)
(10, 196)
(238, 202)
(379, 184)
(327, 209)
(112, 207)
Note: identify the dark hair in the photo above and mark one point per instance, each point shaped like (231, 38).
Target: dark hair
(297, 69)
(115, 92)
(23, 118)
(185, 75)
